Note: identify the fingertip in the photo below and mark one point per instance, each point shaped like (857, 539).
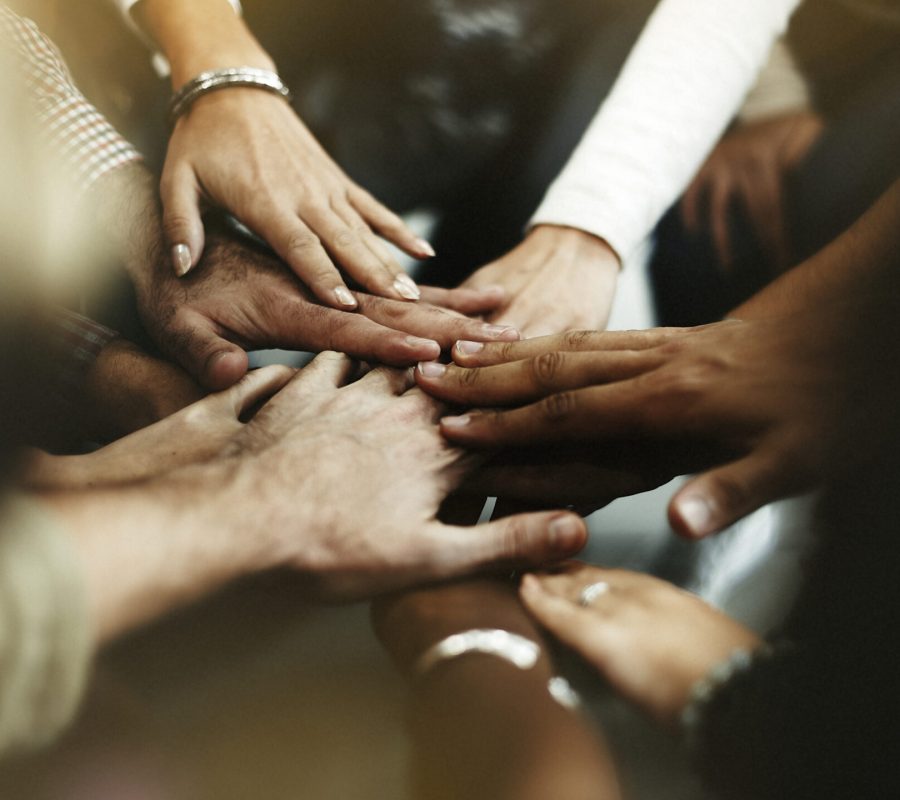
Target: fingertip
(567, 534)
(467, 350)
(345, 299)
(224, 369)
(692, 516)
(422, 350)
(182, 261)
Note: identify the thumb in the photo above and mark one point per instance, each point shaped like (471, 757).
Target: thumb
(192, 340)
(257, 386)
(524, 540)
(182, 223)
(716, 499)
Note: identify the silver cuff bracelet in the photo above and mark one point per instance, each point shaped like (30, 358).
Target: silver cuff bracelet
(217, 79)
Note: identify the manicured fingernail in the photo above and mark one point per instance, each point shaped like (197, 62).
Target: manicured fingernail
(467, 348)
(456, 422)
(424, 248)
(697, 515)
(406, 287)
(565, 533)
(344, 297)
(506, 332)
(181, 259)
(432, 369)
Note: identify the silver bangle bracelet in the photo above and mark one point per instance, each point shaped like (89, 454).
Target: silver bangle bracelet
(217, 79)
(522, 653)
(515, 649)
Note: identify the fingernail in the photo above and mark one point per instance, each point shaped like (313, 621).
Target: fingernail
(467, 348)
(181, 259)
(456, 422)
(565, 533)
(529, 584)
(406, 287)
(425, 248)
(432, 369)
(697, 515)
(433, 346)
(344, 297)
(507, 332)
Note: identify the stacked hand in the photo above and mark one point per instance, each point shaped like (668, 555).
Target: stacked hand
(769, 405)
(241, 297)
(649, 639)
(248, 152)
(557, 279)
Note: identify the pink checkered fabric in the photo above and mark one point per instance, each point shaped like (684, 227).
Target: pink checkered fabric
(87, 144)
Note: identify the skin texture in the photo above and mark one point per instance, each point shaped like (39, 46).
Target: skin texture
(768, 405)
(557, 279)
(749, 168)
(240, 297)
(153, 545)
(649, 639)
(527, 745)
(246, 151)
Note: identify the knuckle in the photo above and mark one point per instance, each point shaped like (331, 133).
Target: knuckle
(545, 369)
(303, 242)
(577, 340)
(346, 239)
(515, 540)
(469, 377)
(557, 407)
(175, 223)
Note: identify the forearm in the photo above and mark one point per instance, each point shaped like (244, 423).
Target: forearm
(860, 266)
(149, 548)
(528, 745)
(199, 36)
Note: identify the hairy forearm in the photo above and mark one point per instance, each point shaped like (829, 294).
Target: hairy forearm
(860, 266)
(149, 548)
(200, 35)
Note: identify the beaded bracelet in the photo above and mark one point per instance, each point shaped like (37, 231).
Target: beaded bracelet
(216, 79)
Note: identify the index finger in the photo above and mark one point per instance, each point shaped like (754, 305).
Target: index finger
(599, 412)
(528, 380)
(478, 354)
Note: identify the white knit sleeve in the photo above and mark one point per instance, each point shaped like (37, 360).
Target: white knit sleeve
(682, 84)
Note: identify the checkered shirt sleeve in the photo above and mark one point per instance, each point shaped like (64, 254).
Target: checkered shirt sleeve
(87, 144)
(76, 341)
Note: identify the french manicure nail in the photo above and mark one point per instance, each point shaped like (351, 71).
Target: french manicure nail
(432, 369)
(697, 514)
(425, 248)
(467, 348)
(456, 422)
(565, 533)
(507, 332)
(344, 297)
(406, 288)
(181, 259)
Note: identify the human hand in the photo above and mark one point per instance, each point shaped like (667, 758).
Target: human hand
(749, 167)
(247, 151)
(192, 435)
(241, 297)
(649, 639)
(771, 405)
(557, 279)
(363, 519)
(127, 389)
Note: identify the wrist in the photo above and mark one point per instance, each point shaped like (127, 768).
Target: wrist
(153, 547)
(580, 243)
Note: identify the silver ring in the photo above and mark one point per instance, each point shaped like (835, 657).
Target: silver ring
(591, 592)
